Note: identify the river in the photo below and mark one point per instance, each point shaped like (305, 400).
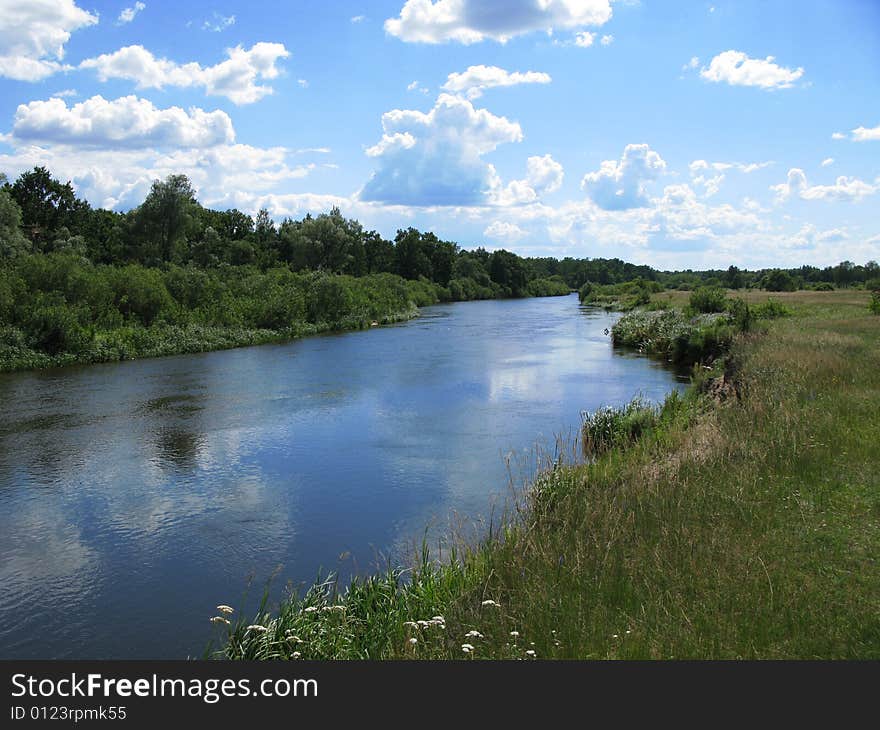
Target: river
(135, 497)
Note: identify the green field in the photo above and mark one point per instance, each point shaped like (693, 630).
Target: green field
(742, 522)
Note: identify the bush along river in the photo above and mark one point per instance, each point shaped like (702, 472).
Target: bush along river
(136, 496)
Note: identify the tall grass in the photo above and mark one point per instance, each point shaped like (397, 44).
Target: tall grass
(731, 528)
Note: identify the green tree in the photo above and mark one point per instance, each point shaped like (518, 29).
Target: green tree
(779, 280)
(12, 241)
(46, 205)
(164, 219)
(733, 279)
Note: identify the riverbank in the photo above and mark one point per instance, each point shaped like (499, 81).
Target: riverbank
(59, 309)
(742, 524)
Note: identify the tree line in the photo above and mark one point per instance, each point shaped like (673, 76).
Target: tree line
(79, 283)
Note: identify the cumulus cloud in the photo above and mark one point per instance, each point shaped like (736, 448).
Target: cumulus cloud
(235, 78)
(504, 231)
(619, 185)
(710, 175)
(845, 189)
(584, 39)
(435, 158)
(864, 134)
(737, 69)
(128, 122)
(827, 161)
(128, 14)
(120, 178)
(477, 79)
(33, 35)
(472, 21)
(607, 40)
(543, 175)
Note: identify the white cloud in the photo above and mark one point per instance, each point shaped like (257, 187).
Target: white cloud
(65, 93)
(33, 34)
(845, 189)
(827, 161)
(737, 69)
(218, 23)
(477, 79)
(128, 122)
(472, 21)
(607, 40)
(619, 185)
(358, 18)
(863, 134)
(504, 231)
(838, 135)
(543, 175)
(692, 64)
(435, 158)
(128, 14)
(121, 178)
(584, 39)
(235, 78)
(746, 167)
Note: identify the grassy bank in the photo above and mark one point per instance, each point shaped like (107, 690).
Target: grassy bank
(61, 309)
(740, 521)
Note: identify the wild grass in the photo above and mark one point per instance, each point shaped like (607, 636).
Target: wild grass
(740, 527)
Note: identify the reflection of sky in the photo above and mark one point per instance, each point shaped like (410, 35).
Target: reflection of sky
(142, 494)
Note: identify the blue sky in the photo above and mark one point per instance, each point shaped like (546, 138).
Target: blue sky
(683, 135)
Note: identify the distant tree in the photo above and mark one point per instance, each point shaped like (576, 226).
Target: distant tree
(12, 241)
(379, 254)
(264, 228)
(733, 279)
(165, 217)
(509, 271)
(412, 262)
(46, 205)
(779, 280)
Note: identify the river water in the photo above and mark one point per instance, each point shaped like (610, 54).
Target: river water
(135, 497)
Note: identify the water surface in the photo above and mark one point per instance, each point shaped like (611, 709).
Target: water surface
(134, 497)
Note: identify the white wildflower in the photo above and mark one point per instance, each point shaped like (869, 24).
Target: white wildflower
(310, 609)
(531, 653)
(467, 648)
(259, 628)
(219, 620)
(295, 655)
(223, 608)
(473, 635)
(411, 624)
(491, 603)
(514, 634)
(413, 641)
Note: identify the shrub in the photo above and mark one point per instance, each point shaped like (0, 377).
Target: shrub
(612, 427)
(743, 315)
(874, 306)
(141, 293)
(823, 286)
(778, 280)
(708, 300)
(55, 329)
(771, 309)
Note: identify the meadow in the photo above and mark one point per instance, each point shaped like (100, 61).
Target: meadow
(739, 521)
